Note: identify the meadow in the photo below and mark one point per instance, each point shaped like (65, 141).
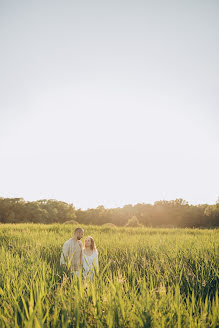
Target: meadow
(148, 278)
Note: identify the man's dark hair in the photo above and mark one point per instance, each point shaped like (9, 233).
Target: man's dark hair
(78, 230)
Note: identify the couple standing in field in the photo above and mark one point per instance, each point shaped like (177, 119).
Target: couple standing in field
(79, 257)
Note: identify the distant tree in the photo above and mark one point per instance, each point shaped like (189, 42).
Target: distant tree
(162, 213)
(212, 213)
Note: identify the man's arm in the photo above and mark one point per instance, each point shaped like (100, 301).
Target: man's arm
(65, 254)
(81, 246)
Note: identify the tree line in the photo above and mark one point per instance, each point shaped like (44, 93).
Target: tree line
(176, 213)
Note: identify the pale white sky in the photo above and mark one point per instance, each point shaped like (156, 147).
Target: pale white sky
(109, 102)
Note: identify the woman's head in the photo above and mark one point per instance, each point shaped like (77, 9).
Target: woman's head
(89, 243)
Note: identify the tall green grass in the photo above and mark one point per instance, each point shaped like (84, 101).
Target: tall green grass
(148, 278)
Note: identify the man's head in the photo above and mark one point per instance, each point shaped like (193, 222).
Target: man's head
(79, 233)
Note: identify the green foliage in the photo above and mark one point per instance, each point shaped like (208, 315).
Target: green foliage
(173, 213)
(148, 278)
(16, 210)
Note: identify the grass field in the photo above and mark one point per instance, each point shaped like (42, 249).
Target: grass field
(148, 278)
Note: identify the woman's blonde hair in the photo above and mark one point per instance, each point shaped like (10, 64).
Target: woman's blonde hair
(93, 245)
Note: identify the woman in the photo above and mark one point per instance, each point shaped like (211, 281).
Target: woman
(90, 258)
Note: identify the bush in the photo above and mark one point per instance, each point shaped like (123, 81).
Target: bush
(133, 222)
(71, 222)
(110, 225)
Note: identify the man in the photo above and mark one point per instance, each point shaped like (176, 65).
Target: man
(72, 252)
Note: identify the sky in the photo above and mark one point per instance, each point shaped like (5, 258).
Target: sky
(109, 102)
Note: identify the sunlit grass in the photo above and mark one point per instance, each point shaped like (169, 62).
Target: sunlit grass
(148, 278)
